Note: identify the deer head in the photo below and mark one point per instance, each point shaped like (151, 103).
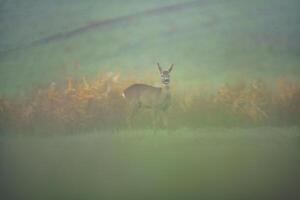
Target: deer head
(165, 74)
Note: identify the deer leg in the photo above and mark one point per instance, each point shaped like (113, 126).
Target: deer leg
(166, 123)
(165, 120)
(155, 117)
(132, 113)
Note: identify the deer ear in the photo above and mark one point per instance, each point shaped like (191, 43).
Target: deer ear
(170, 69)
(159, 68)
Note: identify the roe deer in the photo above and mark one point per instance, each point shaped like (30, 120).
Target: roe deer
(158, 99)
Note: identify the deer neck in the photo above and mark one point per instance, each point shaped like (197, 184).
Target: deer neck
(165, 90)
(166, 87)
(165, 97)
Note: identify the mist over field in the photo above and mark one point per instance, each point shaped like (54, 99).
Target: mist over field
(261, 163)
(233, 129)
(208, 41)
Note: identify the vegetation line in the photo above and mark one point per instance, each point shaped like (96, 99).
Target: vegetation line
(96, 104)
(104, 23)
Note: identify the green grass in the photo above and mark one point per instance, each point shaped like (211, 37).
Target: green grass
(254, 163)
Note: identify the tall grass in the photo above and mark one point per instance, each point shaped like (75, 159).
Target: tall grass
(84, 104)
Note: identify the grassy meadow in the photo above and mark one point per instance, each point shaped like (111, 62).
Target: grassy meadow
(209, 163)
(234, 120)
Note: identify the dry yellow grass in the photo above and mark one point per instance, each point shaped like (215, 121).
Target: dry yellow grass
(97, 104)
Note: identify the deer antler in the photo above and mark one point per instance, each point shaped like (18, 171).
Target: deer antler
(159, 68)
(170, 69)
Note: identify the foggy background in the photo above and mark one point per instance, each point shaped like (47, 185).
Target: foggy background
(208, 41)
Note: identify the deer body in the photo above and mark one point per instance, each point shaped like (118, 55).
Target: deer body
(147, 96)
(142, 96)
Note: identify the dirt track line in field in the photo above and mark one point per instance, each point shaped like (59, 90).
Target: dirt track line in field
(107, 22)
